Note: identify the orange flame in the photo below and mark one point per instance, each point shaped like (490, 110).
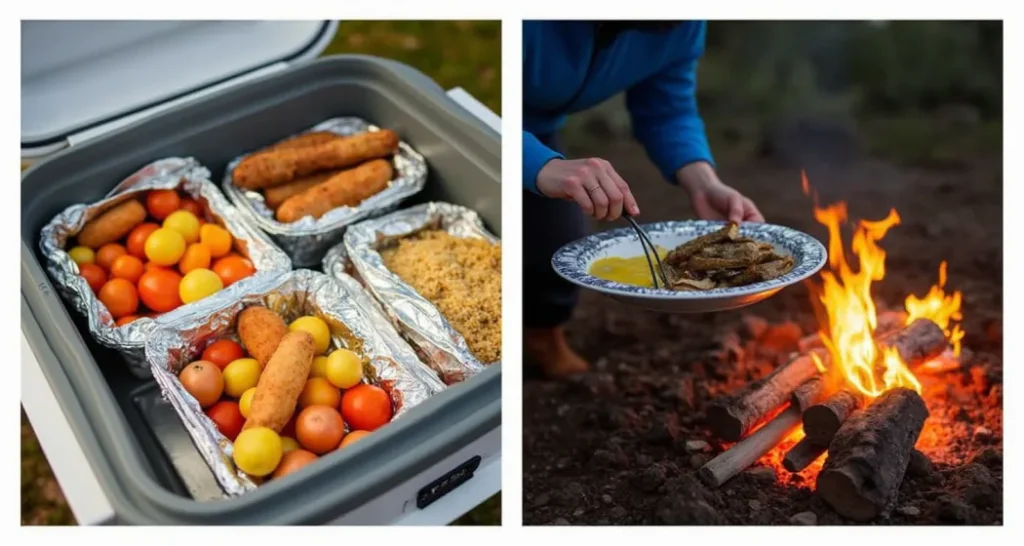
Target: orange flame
(942, 309)
(850, 316)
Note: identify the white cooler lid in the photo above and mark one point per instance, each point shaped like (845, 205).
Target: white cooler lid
(77, 75)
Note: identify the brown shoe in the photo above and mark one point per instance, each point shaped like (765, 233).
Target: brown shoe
(549, 348)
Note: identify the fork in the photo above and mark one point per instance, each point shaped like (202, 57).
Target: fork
(645, 242)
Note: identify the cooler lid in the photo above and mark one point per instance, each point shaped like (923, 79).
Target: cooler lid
(78, 75)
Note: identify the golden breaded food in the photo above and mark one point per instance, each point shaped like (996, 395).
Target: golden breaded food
(347, 188)
(303, 140)
(275, 167)
(260, 330)
(280, 384)
(112, 225)
(273, 197)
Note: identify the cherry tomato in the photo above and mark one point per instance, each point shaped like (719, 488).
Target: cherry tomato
(223, 352)
(127, 267)
(366, 407)
(319, 429)
(197, 256)
(233, 268)
(120, 297)
(107, 253)
(136, 242)
(292, 461)
(126, 319)
(158, 289)
(216, 238)
(82, 255)
(185, 223)
(203, 381)
(198, 284)
(94, 275)
(161, 203)
(227, 417)
(165, 246)
(191, 205)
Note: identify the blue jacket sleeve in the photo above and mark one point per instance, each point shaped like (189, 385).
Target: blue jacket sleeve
(535, 155)
(665, 116)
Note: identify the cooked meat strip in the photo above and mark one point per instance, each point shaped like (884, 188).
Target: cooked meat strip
(684, 251)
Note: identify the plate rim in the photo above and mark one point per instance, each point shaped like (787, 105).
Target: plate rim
(572, 250)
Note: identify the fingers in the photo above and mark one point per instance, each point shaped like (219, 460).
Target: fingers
(628, 201)
(615, 197)
(735, 208)
(596, 192)
(574, 190)
(751, 214)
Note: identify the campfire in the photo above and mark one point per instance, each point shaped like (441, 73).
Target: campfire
(851, 396)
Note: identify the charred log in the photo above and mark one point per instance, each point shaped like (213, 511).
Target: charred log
(738, 457)
(802, 455)
(823, 420)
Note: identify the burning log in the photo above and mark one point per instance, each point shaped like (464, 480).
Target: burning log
(802, 455)
(808, 393)
(738, 457)
(732, 418)
(918, 343)
(869, 455)
(822, 421)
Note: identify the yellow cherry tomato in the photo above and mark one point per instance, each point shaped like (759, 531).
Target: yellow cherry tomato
(316, 328)
(245, 402)
(185, 223)
(319, 368)
(344, 369)
(165, 247)
(289, 444)
(197, 284)
(258, 451)
(82, 255)
(240, 376)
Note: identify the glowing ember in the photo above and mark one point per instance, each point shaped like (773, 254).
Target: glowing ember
(850, 315)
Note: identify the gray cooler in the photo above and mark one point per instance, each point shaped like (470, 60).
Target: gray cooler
(118, 450)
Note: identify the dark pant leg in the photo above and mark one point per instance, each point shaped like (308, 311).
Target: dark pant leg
(548, 224)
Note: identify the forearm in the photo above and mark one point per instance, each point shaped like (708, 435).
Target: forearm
(696, 175)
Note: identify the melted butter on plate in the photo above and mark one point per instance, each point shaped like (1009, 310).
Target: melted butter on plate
(633, 271)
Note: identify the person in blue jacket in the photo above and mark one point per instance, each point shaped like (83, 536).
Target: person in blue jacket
(569, 66)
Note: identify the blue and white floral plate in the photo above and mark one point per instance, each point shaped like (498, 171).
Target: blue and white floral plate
(573, 262)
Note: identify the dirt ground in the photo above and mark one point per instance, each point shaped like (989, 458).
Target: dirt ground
(611, 447)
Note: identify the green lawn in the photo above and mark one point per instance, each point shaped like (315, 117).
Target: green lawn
(463, 54)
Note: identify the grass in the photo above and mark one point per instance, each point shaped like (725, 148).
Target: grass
(463, 54)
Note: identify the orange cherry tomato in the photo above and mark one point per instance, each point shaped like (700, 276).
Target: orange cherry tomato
(233, 268)
(149, 266)
(226, 415)
(120, 297)
(319, 429)
(107, 253)
(160, 203)
(94, 275)
(136, 242)
(292, 461)
(216, 238)
(158, 289)
(203, 381)
(366, 407)
(223, 352)
(191, 205)
(353, 437)
(197, 256)
(127, 267)
(126, 319)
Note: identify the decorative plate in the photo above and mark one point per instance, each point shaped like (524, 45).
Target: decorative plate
(573, 262)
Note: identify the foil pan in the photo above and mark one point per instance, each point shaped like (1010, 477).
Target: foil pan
(306, 240)
(355, 324)
(188, 176)
(440, 346)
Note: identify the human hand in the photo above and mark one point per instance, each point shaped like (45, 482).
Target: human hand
(592, 183)
(714, 200)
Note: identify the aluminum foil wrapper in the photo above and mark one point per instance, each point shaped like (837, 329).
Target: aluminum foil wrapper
(307, 239)
(188, 176)
(355, 324)
(440, 346)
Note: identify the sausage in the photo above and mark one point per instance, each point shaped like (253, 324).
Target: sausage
(347, 188)
(260, 331)
(273, 197)
(305, 139)
(112, 225)
(281, 383)
(275, 167)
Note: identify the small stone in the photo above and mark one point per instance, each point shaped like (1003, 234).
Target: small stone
(911, 511)
(804, 518)
(698, 460)
(563, 463)
(560, 521)
(693, 446)
(541, 500)
(618, 512)
(755, 505)
(651, 478)
(762, 474)
(577, 513)
(983, 434)
(919, 466)
(607, 499)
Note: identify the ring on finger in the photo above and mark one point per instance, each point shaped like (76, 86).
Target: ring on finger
(593, 189)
